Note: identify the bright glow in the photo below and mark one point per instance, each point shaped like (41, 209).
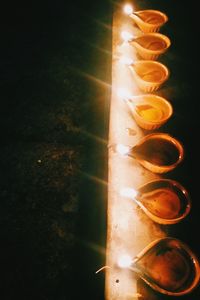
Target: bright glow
(123, 93)
(122, 149)
(126, 36)
(124, 261)
(126, 60)
(128, 192)
(128, 9)
(123, 223)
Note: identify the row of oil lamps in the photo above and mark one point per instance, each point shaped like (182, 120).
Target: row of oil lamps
(167, 265)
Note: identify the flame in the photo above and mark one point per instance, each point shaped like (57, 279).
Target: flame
(124, 261)
(123, 93)
(126, 36)
(126, 60)
(128, 192)
(122, 149)
(128, 9)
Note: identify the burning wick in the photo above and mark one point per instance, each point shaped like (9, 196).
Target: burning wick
(124, 94)
(128, 192)
(128, 9)
(122, 149)
(126, 36)
(124, 261)
(126, 60)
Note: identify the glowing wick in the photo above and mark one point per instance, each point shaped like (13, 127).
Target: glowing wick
(124, 261)
(123, 93)
(126, 60)
(122, 149)
(126, 36)
(128, 9)
(128, 192)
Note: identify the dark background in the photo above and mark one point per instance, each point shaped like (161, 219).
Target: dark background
(55, 71)
(54, 111)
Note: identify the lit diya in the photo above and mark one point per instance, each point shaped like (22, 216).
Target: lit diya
(149, 46)
(149, 111)
(147, 20)
(164, 201)
(149, 75)
(167, 265)
(157, 152)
